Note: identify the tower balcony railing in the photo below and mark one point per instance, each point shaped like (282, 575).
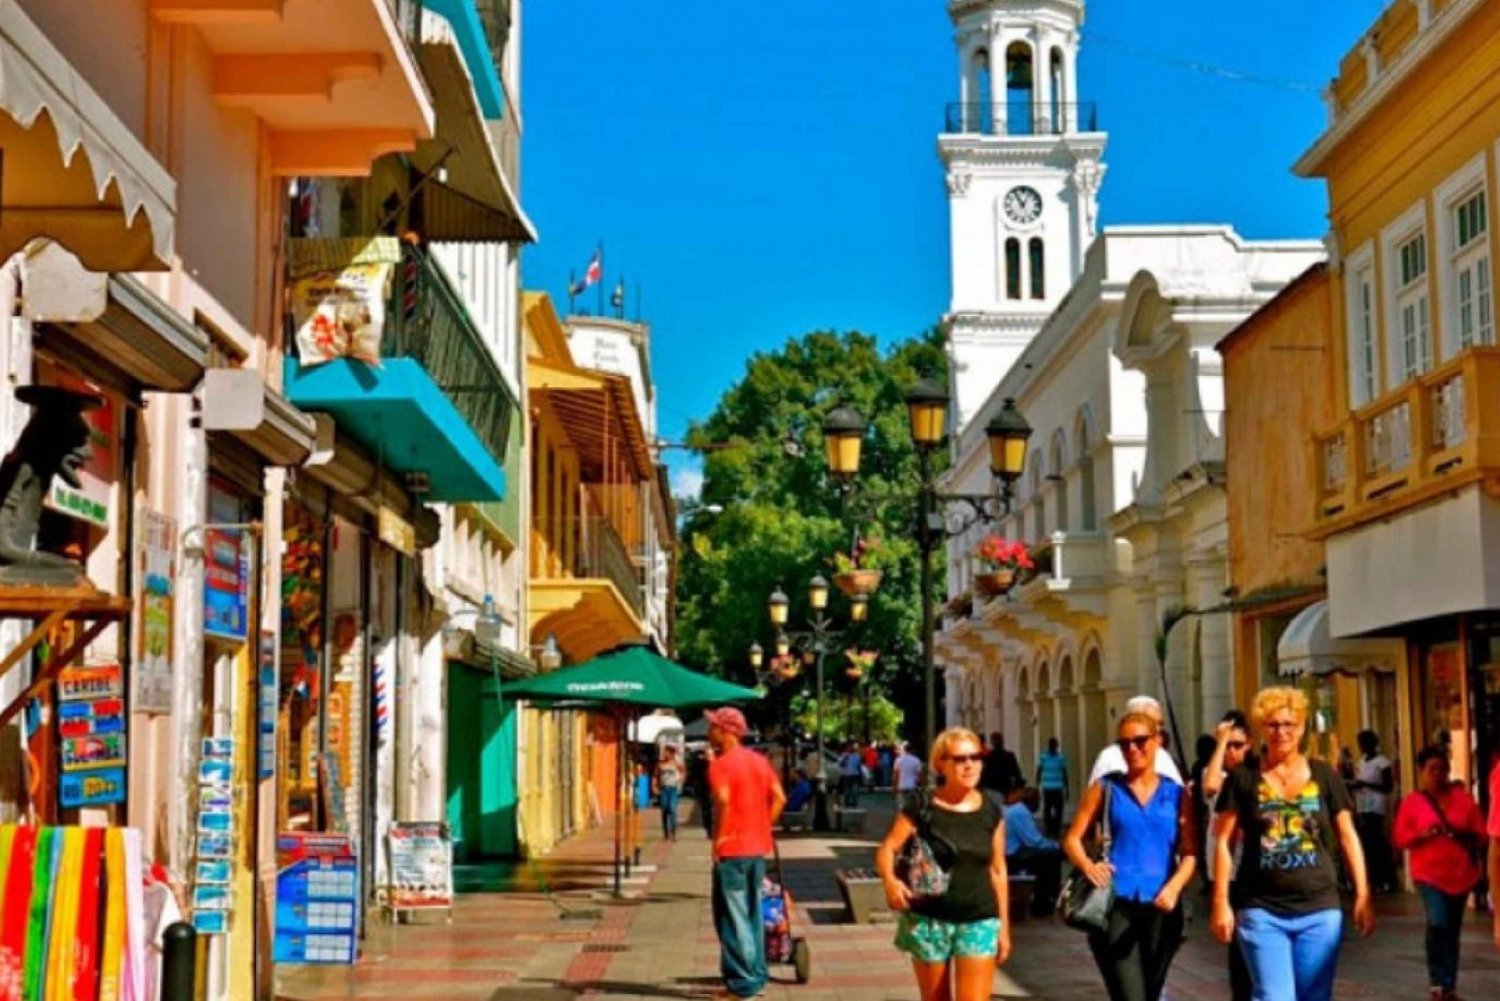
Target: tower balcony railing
(1001, 119)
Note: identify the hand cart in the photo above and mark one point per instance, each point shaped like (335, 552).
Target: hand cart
(776, 907)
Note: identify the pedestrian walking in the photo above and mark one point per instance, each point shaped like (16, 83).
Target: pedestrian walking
(958, 937)
(1440, 825)
(1290, 815)
(668, 783)
(869, 761)
(698, 768)
(887, 759)
(1052, 780)
(1152, 855)
(908, 776)
(1231, 750)
(748, 799)
(851, 767)
(1372, 786)
(1002, 769)
(1112, 759)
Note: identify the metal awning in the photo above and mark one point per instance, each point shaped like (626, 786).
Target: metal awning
(473, 198)
(1307, 648)
(72, 171)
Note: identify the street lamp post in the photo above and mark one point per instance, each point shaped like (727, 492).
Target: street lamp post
(818, 635)
(927, 413)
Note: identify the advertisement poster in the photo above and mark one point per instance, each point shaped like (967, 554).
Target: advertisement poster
(90, 502)
(226, 583)
(317, 898)
(267, 686)
(421, 866)
(153, 668)
(91, 735)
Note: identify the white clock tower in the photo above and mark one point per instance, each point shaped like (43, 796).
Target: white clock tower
(1022, 156)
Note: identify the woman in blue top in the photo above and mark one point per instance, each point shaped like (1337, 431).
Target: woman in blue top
(1151, 859)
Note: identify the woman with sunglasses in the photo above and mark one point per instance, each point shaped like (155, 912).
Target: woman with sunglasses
(1152, 855)
(958, 938)
(1290, 815)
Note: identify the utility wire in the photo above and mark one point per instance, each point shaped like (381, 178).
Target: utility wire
(1207, 69)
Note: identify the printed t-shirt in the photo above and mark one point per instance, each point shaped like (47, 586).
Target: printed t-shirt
(1054, 769)
(1287, 845)
(1370, 770)
(669, 775)
(963, 844)
(744, 826)
(908, 772)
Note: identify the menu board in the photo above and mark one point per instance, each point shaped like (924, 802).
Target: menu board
(421, 857)
(317, 898)
(91, 735)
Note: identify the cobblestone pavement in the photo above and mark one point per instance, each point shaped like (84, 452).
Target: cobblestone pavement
(575, 942)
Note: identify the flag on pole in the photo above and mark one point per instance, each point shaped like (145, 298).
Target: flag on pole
(591, 274)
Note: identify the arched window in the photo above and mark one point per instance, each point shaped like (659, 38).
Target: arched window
(979, 113)
(1055, 463)
(1012, 268)
(1038, 280)
(1037, 497)
(1085, 450)
(1019, 98)
(1055, 78)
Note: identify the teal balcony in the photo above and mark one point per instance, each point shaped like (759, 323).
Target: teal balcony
(436, 405)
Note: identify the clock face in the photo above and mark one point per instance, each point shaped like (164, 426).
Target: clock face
(1023, 205)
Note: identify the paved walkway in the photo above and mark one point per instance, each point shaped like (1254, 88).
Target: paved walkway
(574, 942)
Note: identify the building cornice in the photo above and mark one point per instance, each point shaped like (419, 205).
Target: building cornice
(959, 9)
(1059, 151)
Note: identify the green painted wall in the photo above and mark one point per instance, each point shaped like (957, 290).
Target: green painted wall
(481, 767)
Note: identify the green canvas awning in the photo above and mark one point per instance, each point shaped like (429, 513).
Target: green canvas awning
(633, 675)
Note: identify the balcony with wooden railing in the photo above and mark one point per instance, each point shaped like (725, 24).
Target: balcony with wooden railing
(1439, 432)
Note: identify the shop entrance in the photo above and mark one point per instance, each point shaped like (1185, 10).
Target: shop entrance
(481, 767)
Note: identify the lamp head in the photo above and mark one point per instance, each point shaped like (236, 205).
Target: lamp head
(843, 434)
(777, 606)
(783, 644)
(817, 593)
(1008, 433)
(757, 656)
(859, 608)
(927, 412)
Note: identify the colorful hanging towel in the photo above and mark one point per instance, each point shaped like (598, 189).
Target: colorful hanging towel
(15, 912)
(62, 939)
(112, 956)
(48, 857)
(7, 839)
(84, 974)
(135, 919)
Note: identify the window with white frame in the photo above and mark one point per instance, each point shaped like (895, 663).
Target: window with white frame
(1470, 262)
(1413, 333)
(1363, 374)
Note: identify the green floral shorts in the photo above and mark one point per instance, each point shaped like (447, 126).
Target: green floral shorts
(932, 941)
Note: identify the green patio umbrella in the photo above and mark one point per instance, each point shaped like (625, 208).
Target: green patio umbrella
(623, 681)
(632, 675)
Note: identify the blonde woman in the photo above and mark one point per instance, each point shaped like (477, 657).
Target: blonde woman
(956, 939)
(1292, 815)
(1152, 856)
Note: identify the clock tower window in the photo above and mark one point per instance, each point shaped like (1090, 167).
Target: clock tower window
(1020, 101)
(1012, 268)
(1038, 281)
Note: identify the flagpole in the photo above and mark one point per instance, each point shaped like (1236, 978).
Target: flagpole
(572, 284)
(600, 282)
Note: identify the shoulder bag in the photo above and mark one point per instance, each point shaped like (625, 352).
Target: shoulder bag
(916, 864)
(1082, 905)
(1470, 843)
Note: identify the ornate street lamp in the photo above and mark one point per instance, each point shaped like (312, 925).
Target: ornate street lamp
(843, 434)
(783, 644)
(817, 594)
(927, 412)
(1008, 433)
(859, 607)
(777, 606)
(757, 656)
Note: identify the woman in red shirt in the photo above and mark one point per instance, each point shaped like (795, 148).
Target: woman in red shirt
(1440, 825)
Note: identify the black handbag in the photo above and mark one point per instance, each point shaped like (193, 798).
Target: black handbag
(1081, 904)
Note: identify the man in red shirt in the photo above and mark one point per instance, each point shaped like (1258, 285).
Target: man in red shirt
(747, 798)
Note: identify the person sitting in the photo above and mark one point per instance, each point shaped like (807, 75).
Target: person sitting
(1028, 850)
(801, 792)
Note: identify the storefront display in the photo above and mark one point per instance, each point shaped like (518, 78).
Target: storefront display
(317, 898)
(91, 736)
(300, 686)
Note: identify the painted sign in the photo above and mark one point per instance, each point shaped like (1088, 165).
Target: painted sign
(91, 735)
(421, 857)
(152, 675)
(317, 898)
(90, 500)
(226, 583)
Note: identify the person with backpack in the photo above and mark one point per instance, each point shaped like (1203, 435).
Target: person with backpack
(950, 886)
(1290, 814)
(1151, 854)
(1442, 828)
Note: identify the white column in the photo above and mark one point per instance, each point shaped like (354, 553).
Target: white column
(953, 678)
(1041, 79)
(1070, 81)
(1147, 624)
(996, 96)
(187, 665)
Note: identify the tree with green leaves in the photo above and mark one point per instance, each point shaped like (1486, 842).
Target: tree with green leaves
(771, 515)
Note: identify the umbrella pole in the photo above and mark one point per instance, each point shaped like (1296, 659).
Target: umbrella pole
(619, 801)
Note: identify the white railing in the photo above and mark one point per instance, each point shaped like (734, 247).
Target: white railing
(1388, 440)
(1448, 412)
(1335, 463)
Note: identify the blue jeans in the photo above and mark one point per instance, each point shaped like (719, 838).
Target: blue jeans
(668, 797)
(1291, 957)
(737, 919)
(1445, 923)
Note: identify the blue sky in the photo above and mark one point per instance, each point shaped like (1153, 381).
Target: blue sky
(762, 170)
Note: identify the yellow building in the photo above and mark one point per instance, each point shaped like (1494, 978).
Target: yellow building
(1405, 474)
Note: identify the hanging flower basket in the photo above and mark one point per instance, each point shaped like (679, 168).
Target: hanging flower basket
(857, 582)
(996, 582)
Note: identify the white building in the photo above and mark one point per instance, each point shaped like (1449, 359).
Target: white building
(1106, 345)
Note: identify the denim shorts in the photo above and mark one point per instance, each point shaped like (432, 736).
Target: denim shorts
(930, 940)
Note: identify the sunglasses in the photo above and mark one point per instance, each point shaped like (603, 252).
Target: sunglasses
(1139, 743)
(966, 759)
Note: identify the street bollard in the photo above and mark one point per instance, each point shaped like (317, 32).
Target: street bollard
(179, 947)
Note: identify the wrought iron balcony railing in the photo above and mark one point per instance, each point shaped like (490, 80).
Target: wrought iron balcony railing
(1040, 119)
(428, 323)
(589, 547)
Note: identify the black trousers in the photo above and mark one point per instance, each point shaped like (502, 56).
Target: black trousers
(1136, 952)
(1052, 812)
